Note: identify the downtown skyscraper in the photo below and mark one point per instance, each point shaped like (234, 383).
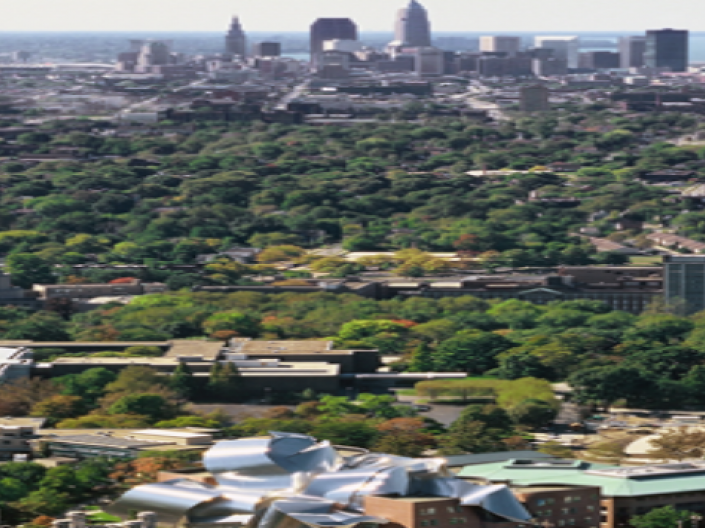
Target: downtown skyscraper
(330, 29)
(667, 48)
(412, 26)
(235, 40)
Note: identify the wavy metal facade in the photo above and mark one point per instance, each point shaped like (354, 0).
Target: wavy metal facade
(290, 480)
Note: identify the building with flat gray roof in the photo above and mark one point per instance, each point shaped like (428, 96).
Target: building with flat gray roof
(626, 491)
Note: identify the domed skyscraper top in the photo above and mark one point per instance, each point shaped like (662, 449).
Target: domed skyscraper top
(412, 26)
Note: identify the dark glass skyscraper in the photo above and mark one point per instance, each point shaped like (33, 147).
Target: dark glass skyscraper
(412, 26)
(667, 48)
(235, 40)
(330, 29)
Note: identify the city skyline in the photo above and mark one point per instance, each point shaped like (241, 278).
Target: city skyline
(369, 15)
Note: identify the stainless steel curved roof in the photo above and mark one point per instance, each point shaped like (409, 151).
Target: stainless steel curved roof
(272, 482)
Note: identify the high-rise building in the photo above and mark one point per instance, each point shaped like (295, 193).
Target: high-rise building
(684, 281)
(429, 61)
(547, 67)
(599, 60)
(267, 49)
(631, 50)
(494, 44)
(534, 98)
(564, 48)
(667, 48)
(412, 27)
(235, 40)
(330, 29)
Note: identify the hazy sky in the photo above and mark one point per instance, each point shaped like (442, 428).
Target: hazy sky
(371, 15)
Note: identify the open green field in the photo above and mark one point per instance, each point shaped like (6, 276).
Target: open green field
(646, 260)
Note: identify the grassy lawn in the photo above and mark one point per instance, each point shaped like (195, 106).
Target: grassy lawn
(101, 517)
(645, 260)
(412, 392)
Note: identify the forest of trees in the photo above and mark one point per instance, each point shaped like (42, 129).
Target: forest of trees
(164, 200)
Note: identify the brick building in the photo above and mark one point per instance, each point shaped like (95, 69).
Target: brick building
(624, 492)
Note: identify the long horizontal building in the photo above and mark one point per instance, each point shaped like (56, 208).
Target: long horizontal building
(263, 367)
(627, 288)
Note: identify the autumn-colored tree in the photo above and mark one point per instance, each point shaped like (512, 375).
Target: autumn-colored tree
(224, 335)
(403, 437)
(466, 242)
(279, 413)
(43, 520)
(58, 407)
(76, 279)
(143, 470)
(405, 323)
(18, 398)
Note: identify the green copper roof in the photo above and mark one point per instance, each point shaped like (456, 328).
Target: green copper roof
(579, 475)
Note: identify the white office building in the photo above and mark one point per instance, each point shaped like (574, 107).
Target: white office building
(500, 44)
(564, 48)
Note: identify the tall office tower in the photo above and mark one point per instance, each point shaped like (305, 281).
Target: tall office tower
(508, 45)
(330, 29)
(267, 49)
(667, 48)
(235, 40)
(412, 27)
(154, 52)
(631, 51)
(564, 48)
(684, 281)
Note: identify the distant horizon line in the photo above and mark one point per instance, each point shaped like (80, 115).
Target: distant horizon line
(305, 32)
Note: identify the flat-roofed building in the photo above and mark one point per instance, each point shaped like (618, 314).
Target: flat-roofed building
(625, 491)
(631, 51)
(119, 443)
(350, 361)
(500, 43)
(564, 47)
(15, 441)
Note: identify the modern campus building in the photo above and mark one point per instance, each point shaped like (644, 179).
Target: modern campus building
(290, 479)
(264, 367)
(123, 443)
(624, 491)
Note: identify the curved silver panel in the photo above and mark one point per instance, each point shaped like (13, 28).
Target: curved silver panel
(171, 500)
(290, 479)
